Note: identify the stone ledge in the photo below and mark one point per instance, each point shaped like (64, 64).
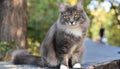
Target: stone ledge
(107, 65)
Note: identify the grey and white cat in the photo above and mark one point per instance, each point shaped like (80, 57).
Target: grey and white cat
(63, 44)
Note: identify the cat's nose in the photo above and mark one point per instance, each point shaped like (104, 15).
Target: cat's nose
(71, 22)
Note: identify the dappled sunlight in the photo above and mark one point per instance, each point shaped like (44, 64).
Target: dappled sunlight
(22, 43)
(19, 31)
(118, 17)
(17, 3)
(72, 2)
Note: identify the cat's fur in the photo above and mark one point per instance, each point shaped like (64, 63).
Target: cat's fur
(63, 44)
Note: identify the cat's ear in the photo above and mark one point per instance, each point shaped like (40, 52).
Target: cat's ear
(82, 2)
(79, 5)
(62, 7)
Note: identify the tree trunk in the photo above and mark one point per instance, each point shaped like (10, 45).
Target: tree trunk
(13, 22)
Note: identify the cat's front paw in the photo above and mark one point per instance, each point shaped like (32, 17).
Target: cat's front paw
(77, 65)
(63, 67)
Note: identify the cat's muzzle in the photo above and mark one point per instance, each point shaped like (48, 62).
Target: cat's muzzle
(71, 23)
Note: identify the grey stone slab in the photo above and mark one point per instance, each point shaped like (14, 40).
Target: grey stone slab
(98, 53)
(95, 53)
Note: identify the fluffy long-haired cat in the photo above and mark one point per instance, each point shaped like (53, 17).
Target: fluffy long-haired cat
(63, 44)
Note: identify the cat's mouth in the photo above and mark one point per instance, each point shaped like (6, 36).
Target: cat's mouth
(71, 23)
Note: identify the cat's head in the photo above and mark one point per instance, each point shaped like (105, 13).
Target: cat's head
(72, 15)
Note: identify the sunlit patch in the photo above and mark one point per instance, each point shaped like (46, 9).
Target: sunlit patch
(17, 2)
(72, 2)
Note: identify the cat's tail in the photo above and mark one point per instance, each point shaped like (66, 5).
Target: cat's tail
(23, 57)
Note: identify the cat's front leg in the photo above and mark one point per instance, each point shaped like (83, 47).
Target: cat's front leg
(76, 60)
(64, 62)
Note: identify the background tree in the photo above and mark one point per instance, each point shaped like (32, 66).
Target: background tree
(13, 22)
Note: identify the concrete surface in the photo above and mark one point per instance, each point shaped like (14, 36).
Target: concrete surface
(96, 53)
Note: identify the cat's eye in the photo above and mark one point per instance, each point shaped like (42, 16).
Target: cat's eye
(67, 16)
(76, 15)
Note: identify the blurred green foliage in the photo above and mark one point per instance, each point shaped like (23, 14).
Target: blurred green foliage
(5, 50)
(42, 14)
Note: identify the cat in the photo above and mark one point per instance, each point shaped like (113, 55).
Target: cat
(63, 45)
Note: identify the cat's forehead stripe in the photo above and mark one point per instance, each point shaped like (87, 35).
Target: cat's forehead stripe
(71, 9)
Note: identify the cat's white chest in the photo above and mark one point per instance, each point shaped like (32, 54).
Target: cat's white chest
(75, 32)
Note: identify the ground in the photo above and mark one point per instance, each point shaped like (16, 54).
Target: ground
(97, 54)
